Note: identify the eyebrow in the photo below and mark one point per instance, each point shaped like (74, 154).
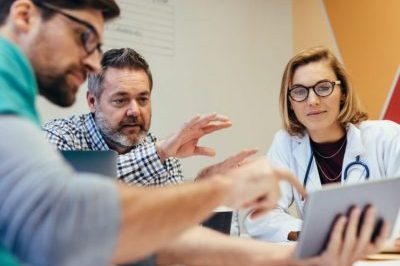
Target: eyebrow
(296, 84)
(83, 22)
(120, 93)
(56, 9)
(123, 93)
(146, 93)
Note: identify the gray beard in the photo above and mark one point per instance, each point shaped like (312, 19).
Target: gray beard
(113, 136)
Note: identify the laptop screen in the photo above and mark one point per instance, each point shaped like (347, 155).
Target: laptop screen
(98, 162)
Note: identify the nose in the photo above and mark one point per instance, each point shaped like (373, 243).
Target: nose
(133, 109)
(312, 99)
(92, 62)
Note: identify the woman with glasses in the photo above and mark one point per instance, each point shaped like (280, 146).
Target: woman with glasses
(326, 139)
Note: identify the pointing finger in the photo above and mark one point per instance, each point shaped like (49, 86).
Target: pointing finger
(287, 175)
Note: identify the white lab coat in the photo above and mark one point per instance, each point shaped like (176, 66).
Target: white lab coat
(377, 143)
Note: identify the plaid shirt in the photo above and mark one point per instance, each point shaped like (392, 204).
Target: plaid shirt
(141, 165)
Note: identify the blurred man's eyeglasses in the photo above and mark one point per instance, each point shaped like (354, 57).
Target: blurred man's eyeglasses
(323, 88)
(88, 38)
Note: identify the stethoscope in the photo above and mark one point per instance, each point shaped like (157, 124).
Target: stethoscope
(346, 170)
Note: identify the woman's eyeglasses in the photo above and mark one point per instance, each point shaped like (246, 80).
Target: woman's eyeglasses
(323, 88)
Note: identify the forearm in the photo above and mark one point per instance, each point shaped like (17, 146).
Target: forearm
(50, 215)
(199, 246)
(153, 216)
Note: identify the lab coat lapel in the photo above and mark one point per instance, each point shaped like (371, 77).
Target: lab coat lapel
(354, 148)
(302, 155)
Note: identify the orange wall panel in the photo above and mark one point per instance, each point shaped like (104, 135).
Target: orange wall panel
(367, 33)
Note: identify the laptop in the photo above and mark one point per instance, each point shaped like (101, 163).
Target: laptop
(98, 162)
(220, 221)
(323, 206)
(104, 163)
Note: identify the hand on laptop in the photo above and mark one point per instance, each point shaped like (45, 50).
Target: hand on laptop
(349, 241)
(226, 165)
(183, 143)
(255, 185)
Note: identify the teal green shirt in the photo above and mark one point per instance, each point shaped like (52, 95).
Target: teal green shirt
(18, 86)
(17, 96)
(6, 259)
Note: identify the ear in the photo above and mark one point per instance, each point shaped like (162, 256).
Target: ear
(91, 101)
(23, 16)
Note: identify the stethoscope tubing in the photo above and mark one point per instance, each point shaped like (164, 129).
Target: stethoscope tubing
(346, 170)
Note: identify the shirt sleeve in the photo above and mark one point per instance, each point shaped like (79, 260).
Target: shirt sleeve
(49, 214)
(389, 143)
(143, 166)
(60, 135)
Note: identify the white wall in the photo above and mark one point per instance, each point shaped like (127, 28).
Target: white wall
(228, 57)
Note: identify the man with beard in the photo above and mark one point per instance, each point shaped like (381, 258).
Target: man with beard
(119, 98)
(51, 215)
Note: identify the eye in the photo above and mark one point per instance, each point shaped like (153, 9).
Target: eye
(298, 91)
(323, 87)
(119, 101)
(143, 100)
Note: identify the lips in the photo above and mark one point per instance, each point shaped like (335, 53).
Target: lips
(131, 126)
(312, 113)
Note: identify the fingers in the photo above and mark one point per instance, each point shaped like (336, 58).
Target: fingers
(287, 175)
(366, 229)
(263, 205)
(205, 120)
(350, 238)
(237, 159)
(229, 163)
(212, 122)
(242, 155)
(336, 237)
(257, 212)
(199, 125)
(381, 238)
(192, 121)
(214, 127)
(205, 151)
(267, 200)
(364, 244)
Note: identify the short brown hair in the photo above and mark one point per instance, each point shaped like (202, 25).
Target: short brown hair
(118, 58)
(350, 109)
(109, 8)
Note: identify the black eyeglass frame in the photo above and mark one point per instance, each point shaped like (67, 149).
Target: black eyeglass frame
(84, 36)
(332, 83)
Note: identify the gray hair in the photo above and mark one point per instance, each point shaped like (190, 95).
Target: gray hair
(118, 58)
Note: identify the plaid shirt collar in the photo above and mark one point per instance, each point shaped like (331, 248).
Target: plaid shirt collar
(94, 135)
(97, 139)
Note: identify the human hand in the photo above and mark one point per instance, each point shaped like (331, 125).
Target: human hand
(229, 163)
(183, 143)
(350, 241)
(256, 185)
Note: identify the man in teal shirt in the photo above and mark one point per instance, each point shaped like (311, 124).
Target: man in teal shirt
(50, 215)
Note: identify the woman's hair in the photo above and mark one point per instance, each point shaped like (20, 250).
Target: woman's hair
(350, 108)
